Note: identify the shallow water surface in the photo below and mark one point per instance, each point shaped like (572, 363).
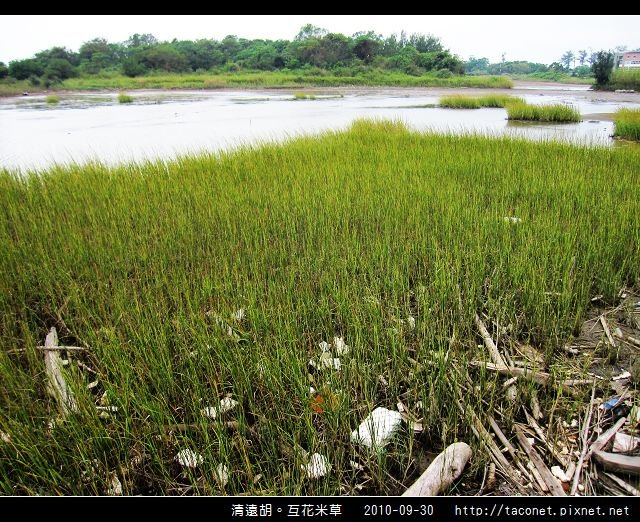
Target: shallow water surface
(161, 124)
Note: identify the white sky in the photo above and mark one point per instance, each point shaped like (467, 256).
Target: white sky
(535, 38)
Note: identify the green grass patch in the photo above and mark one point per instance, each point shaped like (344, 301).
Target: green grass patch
(345, 234)
(627, 124)
(461, 101)
(625, 78)
(300, 95)
(124, 98)
(279, 79)
(557, 113)
(52, 99)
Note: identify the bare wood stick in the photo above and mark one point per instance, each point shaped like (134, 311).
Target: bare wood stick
(535, 406)
(541, 378)
(624, 485)
(585, 436)
(545, 472)
(57, 385)
(605, 437)
(617, 462)
(446, 468)
(536, 474)
(605, 326)
(71, 348)
(502, 437)
(488, 342)
(532, 422)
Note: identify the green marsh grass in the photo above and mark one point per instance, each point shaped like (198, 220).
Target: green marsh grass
(123, 97)
(301, 95)
(278, 79)
(557, 113)
(627, 124)
(461, 101)
(343, 234)
(628, 79)
(52, 99)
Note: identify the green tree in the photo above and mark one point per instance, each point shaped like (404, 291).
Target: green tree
(601, 66)
(582, 56)
(23, 69)
(310, 31)
(4, 70)
(59, 69)
(566, 59)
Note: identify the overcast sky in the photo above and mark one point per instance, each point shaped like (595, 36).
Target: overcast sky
(535, 38)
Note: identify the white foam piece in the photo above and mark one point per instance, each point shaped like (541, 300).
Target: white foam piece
(378, 428)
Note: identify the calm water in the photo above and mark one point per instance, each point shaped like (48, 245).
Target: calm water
(163, 123)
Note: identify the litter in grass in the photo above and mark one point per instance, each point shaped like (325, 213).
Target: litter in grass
(340, 346)
(5, 437)
(189, 458)
(115, 486)
(512, 219)
(318, 466)
(226, 404)
(623, 443)
(222, 475)
(239, 314)
(378, 428)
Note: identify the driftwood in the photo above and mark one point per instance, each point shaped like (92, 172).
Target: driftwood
(624, 485)
(605, 437)
(551, 481)
(446, 468)
(57, 386)
(511, 390)
(536, 427)
(585, 438)
(542, 378)
(616, 462)
(70, 348)
(605, 327)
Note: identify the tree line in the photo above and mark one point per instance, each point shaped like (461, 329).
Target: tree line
(313, 47)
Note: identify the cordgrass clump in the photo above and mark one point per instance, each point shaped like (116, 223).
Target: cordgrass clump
(123, 97)
(300, 95)
(390, 239)
(557, 113)
(627, 124)
(625, 78)
(52, 99)
(461, 101)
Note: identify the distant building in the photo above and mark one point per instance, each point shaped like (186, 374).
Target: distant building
(628, 60)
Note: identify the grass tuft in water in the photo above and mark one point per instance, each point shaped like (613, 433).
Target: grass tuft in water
(627, 124)
(557, 113)
(123, 97)
(52, 99)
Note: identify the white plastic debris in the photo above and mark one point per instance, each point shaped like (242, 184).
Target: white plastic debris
(222, 474)
(312, 390)
(326, 361)
(324, 346)
(115, 486)
(623, 375)
(356, 466)
(411, 321)
(238, 315)
(318, 466)
(378, 428)
(340, 346)
(559, 473)
(5, 437)
(512, 219)
(189, 459)
(623, 443)
(226, 404)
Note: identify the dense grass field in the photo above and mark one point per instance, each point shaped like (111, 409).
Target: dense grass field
(557, 112)
(625, 79)
(349, 234)
(627, 124)
(290, 79)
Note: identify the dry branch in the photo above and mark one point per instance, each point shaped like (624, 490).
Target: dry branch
(446, 468)
(553, 483)
(617, 462)
(57, 387)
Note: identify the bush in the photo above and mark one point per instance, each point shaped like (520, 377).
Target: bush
(123, 97)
